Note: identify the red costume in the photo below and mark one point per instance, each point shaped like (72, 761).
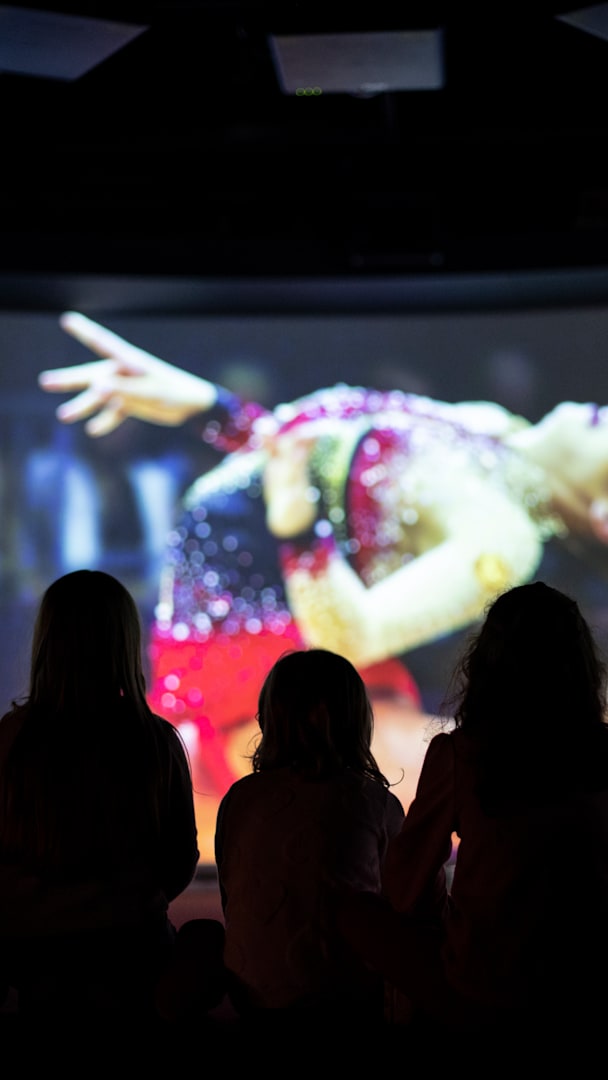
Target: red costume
(223, 618)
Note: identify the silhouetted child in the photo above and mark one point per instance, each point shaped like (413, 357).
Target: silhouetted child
(97, 825)
(520, 942)
(315, 815)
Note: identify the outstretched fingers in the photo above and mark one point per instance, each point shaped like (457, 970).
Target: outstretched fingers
(107, 420)
(78, 408)
(78, 377)
(97, 338)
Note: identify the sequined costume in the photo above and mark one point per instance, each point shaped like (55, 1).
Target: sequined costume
(223, 617)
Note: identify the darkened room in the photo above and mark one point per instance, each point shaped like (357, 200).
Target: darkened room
(175, 147)
(321, 209)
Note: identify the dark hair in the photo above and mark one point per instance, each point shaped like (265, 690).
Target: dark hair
(85, 758)
(86, 646)
(315, 715)
(530, 691)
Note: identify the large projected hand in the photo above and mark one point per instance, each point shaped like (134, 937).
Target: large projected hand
(127, 381)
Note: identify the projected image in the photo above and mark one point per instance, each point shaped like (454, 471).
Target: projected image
(361, 483)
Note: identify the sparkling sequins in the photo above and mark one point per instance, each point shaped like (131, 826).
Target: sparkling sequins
(376, 476)
(223, 566)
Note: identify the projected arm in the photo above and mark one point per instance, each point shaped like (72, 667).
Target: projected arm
(127, 381)
(471, 547)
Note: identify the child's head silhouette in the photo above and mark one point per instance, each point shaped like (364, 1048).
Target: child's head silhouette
(315, 716)
(535, 659)
(86, 647)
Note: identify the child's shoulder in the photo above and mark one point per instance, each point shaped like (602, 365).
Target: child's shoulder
(255, 783)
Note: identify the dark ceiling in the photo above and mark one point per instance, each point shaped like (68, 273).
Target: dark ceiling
(181, 154)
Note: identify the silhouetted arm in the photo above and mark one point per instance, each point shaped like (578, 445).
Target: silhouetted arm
(180, 852)
(219, 843)
(413, 876)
